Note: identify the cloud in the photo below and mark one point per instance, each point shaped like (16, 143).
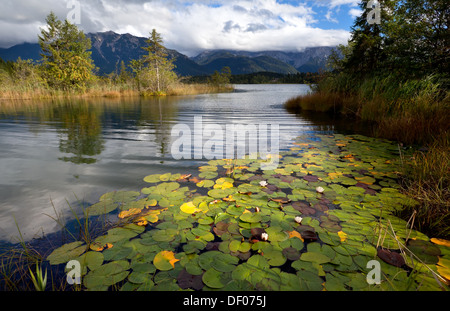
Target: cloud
(188, 26)
(355, 12)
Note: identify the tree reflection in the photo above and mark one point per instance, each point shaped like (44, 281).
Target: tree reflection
(81, 133)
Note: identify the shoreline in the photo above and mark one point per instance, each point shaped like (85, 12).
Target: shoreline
(112, 92)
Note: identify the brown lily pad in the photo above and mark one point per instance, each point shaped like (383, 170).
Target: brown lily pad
(291, 253)
(186, 280)
(309, 235)
(390, 257)
(280, 200)
(311, 178)
(320, 207)
(304, 208)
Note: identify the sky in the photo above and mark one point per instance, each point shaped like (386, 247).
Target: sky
(192, 26)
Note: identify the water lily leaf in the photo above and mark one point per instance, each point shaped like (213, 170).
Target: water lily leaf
(129, 213)
(440, 242)
(308, 235)
(101, 208)
(366, 180)
(223, 184)
(390, 257)
(342, 235)
(66, 253)
(207, 175)
(318, 258)
(165, 260)
(206, 183)
(120, 196)
(224, 262)
(295, 234)
(106, 275)
(291, 253)
(186, 280)
(311, 178)
(426, 251)
(189, 208)
(258, 261)
(91, 259)
(152, 178)
(274, 257)
(251, 217)
(138, 277)
(443, 268)
(214, 279)
(165, 177)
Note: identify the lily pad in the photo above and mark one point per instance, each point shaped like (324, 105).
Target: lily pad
(251, 217)
(101, 208)
(215, 279)
(318, 258)
(106, 275)
(66, 253)
(165, 260)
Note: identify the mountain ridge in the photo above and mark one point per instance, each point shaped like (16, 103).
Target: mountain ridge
(109, 49)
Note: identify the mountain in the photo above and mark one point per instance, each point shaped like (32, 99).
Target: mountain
(240, 64)
(24, 51)
(310, 60)
(109, 49)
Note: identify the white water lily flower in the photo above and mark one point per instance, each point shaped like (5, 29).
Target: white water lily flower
(264, 236)
(263, 183)
(298, 219)
(319, 189)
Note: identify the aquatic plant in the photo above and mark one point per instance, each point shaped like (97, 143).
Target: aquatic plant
(212, 231)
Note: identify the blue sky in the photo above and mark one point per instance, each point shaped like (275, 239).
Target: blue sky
(192, 26)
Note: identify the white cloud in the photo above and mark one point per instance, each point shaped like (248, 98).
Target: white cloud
(355, 12)
(190, 26)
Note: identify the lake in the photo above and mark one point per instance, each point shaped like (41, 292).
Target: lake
(62, 155)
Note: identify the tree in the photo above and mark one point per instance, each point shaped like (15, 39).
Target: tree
(66, 59)
(158, 71)
(412, 39)
(222, 78)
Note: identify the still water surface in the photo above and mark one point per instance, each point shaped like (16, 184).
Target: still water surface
(67, 153)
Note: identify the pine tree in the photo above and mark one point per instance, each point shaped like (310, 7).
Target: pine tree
(158, 68)
(66, 59)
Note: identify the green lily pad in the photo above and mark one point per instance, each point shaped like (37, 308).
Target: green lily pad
(120, 196)
(152, 178)
(91, 260)
(101, 208)
(66, 253)
(251, 217)
(318, 258)
(275, 257)
(215, 279)
(106, 275)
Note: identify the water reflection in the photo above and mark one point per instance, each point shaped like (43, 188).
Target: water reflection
(60, 153)
(80, 135)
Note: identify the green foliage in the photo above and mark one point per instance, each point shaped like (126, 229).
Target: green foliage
(66, 59)
(39, 280)
(222, 78)
(215, 240)
(411, 39)
(154, 71)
